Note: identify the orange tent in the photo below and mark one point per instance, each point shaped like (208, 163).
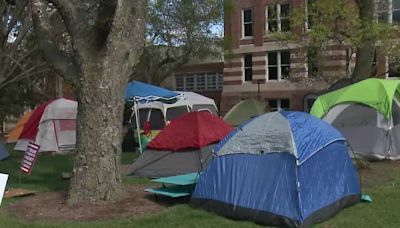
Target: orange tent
(16, 131)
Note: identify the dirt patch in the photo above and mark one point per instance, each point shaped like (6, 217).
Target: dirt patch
(53, 206)
(378, 173)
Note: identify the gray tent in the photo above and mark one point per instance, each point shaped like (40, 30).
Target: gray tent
(3, 152)
(154, 163)
(368, 115)
(184, 146)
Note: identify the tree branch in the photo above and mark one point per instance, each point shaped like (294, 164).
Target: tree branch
(25, 74)
(104, 21)
(20, 8)
(21, 34)
(64, 64)
(130, 13)
(68, 13)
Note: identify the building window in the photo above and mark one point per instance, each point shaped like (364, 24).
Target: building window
(394, 69)
(180, 83)
(375, 64)
(388, 11)
(310, 12)
(248, 67)
(278, 65)
(220, 82)
(278, 104)
(211, 82)
(199, 81)
(278, 18)
(247, 18)
(189, 85)
(312, 62)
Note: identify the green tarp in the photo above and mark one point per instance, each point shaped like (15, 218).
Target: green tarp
(373, 92)
(243, 111)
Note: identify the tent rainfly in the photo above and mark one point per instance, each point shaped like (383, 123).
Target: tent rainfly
(183, 146)
(17, 130)
(281, 169)
(368, 115)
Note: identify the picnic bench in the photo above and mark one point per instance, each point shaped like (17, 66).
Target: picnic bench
(175, 186)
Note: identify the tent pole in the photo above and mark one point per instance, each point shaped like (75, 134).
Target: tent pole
(187, 105)
(137, 125)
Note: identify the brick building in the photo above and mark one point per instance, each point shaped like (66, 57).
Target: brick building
(203, 78)
(278, 72)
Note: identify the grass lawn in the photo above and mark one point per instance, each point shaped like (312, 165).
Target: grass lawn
(46, 176)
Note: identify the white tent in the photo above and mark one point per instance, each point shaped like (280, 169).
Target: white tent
(159, 113)
(56, 129)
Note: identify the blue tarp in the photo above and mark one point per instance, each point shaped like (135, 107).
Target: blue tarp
(140, 91)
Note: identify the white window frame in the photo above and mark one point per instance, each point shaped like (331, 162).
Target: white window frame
(278, 18)
(245, 23)
(389, 10)
(192, 76)
(279, 104)
(307, 23)
(215, 78)
(183, 82)
(279, 65)
(197, 76)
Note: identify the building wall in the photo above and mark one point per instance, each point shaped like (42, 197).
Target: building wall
(259, 45)
(194, 70)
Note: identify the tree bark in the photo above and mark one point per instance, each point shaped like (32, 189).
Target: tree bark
(96, 176)
(365, 53)
(105, 64)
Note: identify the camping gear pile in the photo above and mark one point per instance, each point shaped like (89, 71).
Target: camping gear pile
(368, 115)
(183, 146)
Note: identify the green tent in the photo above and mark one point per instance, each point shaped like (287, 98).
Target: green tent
(373, 92)
(244, 110)
(368, 115)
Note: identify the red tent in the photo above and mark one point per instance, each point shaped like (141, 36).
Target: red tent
(191, 130)
(31, 127)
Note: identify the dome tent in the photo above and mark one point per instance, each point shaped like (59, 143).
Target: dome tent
(245, 110)
(368, 115)
(17, 130)
(183, 146)
(294, 171)
(52, 125)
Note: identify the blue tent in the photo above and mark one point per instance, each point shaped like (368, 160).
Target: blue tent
(281, 168)
(3, 152)
(140, 91)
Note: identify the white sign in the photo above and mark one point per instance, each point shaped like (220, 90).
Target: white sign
(3, 183)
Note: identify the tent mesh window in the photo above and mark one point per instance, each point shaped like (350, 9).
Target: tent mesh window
(356, 115)
(174, 112)
(155, 116)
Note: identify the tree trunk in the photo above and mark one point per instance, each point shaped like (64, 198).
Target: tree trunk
(107, 39)
(97, 175)
(365, 53)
